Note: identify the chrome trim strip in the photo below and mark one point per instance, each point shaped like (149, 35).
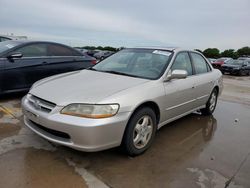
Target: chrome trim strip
(176, 106)
(202, 97)
(179, 116)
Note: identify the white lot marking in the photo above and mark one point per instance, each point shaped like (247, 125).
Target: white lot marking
(209, 178)
(24, 139)
(10, 112)
(92, 181)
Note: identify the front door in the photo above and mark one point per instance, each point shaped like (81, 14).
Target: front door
(180, 92)
(22, 72)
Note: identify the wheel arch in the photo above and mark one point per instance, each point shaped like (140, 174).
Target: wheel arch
(217, 88)
(151, 104)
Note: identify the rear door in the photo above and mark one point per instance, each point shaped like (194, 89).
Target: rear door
(22, 72)
(203, 78)
(2, 60)
(64, 59)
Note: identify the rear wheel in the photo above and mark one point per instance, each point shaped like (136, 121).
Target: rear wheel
(140, 132)
(211, 103)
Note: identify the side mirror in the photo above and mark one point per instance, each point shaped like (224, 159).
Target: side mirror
(15, 55)
(177, 74)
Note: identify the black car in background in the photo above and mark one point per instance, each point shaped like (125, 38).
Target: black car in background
(237, 67)
(24, 62)
(3, 38)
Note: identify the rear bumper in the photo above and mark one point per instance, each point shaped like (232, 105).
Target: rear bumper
(75, 132)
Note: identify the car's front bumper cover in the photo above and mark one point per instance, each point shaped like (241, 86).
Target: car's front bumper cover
(79, 133)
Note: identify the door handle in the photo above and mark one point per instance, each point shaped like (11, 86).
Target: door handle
(193, 87)
(45, 62)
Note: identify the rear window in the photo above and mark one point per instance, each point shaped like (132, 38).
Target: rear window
(58, 50)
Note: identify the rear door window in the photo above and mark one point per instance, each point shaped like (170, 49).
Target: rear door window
(200, 64)
(58, 50)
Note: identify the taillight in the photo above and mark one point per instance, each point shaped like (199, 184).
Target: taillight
(93, 62)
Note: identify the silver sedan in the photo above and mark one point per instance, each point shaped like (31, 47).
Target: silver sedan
(123, 100)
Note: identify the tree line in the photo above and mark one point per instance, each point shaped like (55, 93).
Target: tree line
(209, 52)
(105, 48)
(215, 52)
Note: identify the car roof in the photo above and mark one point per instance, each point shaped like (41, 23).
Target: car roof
(33, 41)
(157, 48)
(21, 42)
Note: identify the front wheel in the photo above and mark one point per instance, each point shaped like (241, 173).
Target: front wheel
(211, 103)
(140, 132)
(241, 73)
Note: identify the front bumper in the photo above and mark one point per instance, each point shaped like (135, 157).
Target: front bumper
(230, 71)
(79, 133)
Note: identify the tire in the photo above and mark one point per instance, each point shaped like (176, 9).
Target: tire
(241, 73)
(211, 103)
(140, 132)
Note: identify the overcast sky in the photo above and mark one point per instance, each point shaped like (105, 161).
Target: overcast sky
(186, 23)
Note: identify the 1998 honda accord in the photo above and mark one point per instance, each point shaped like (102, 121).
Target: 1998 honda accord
(122, 100)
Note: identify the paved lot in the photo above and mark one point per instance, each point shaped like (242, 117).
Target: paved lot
(195, 151)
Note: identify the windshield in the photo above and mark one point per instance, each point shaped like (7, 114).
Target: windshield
(143, 63)
(6, 45)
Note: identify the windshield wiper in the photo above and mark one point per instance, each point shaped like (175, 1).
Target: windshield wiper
(91, 68)
(121, 73)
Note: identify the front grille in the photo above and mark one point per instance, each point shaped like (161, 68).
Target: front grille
(40, 104)
(227, 68)
(51, 131)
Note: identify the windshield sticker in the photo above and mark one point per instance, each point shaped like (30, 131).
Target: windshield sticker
(9, 46)
(160, 52)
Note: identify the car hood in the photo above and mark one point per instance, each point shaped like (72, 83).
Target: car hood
(84, 86)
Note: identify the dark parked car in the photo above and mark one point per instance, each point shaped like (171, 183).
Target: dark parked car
(11, 37)
(3, 38)
(103, 54)
(219, 62)
(237, 67)
(24, 62)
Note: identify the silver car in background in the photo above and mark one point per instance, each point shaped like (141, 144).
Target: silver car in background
(122, 100)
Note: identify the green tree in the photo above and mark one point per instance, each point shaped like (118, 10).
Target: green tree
(211, 53)
(229, 53)
(245, 51)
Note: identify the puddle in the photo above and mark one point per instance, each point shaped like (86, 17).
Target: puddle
(208, 178)
(24, 139)
(36, 168)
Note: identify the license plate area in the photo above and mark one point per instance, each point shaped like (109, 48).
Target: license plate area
(30, 115)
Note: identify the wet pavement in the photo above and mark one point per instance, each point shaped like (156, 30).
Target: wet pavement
(195, 151)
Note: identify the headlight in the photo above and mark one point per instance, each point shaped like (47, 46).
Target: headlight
(91, 111)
